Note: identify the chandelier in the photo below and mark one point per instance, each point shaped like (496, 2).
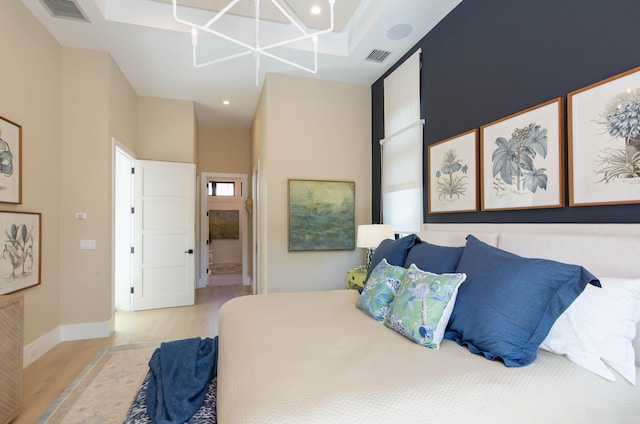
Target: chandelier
(257, 50)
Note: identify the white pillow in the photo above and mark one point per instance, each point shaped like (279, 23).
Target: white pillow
(600, 326)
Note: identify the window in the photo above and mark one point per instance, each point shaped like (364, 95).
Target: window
(402, 153)
(222, 189)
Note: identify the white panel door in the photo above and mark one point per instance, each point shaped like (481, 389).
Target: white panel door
(164, 234)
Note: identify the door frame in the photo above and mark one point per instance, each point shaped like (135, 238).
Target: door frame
(255, 192)
(122, 236)
(123, 230)
(203, 279)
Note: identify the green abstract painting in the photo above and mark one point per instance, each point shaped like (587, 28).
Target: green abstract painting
(224, 225)
(321, 215)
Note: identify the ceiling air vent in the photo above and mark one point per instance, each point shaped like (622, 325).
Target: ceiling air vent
(64, 9)
(378, 56)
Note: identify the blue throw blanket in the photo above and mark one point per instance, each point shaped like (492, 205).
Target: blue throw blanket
(178, 378)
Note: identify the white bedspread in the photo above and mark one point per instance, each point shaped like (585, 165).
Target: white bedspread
(308, 358)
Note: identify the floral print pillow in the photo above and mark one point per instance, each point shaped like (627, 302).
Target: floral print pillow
(422, 307)
(380, 289)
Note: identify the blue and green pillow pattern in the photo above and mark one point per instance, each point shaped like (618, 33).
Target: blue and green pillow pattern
(380, 289)
(415, 303)
(422, 306)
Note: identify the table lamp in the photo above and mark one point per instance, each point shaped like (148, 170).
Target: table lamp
(370, 236)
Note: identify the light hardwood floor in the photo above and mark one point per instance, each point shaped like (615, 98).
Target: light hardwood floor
(49, 375)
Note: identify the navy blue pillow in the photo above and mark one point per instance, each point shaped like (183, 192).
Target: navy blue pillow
(433, 258)
(508, 303)
(394, 251)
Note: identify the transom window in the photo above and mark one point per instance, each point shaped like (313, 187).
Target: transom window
(221, 189)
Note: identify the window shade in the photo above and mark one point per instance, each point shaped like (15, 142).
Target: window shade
(402, 148)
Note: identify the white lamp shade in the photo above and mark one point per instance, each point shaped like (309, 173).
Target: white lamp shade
(370, 236)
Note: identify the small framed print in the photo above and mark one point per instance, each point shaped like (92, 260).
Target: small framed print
(20, 264)
(522, 159)
(10, 162)
(453, 174)
(604, 141)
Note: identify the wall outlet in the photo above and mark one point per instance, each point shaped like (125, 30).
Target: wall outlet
(87, 244)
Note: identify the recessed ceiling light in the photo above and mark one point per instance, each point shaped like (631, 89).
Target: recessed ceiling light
(400, 31)
(226, 102)
(316, 10)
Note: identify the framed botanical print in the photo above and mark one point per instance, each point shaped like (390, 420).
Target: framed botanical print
(20, 261)
(10, 161)
(453, 174)
(522, 159)
(604, 141)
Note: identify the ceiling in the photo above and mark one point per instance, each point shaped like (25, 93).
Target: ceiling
(155, 54)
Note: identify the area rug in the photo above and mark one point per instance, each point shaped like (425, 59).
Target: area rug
(104, 390)
(226, 268)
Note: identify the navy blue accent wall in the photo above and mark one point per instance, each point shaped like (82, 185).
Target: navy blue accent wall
(491, 58)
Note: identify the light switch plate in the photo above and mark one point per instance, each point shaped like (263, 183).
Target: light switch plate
(87, 244)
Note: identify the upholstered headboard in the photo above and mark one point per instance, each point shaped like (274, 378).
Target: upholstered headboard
(607, 253)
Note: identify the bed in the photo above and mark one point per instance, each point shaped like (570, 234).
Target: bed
(314, 357)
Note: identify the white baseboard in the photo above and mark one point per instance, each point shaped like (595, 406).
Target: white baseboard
(91, 330)
(202, 282)
(42, 345)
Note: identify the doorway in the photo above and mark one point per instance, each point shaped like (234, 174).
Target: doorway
(224, 235)
(153, 236)
(123, 226)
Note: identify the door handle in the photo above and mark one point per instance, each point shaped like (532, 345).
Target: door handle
(190, 251)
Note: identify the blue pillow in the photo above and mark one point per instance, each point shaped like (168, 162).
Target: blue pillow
(508, 303)
(394, 251)
(434, 258)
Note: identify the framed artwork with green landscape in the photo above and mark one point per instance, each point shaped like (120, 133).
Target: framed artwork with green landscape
(321, 215)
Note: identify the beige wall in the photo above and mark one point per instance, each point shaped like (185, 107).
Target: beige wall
(316, 130)
(98, 104)
(30, 86)
(85, 187)
(166, 130)
(69, 103)
(123, 109)
(224, 150)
